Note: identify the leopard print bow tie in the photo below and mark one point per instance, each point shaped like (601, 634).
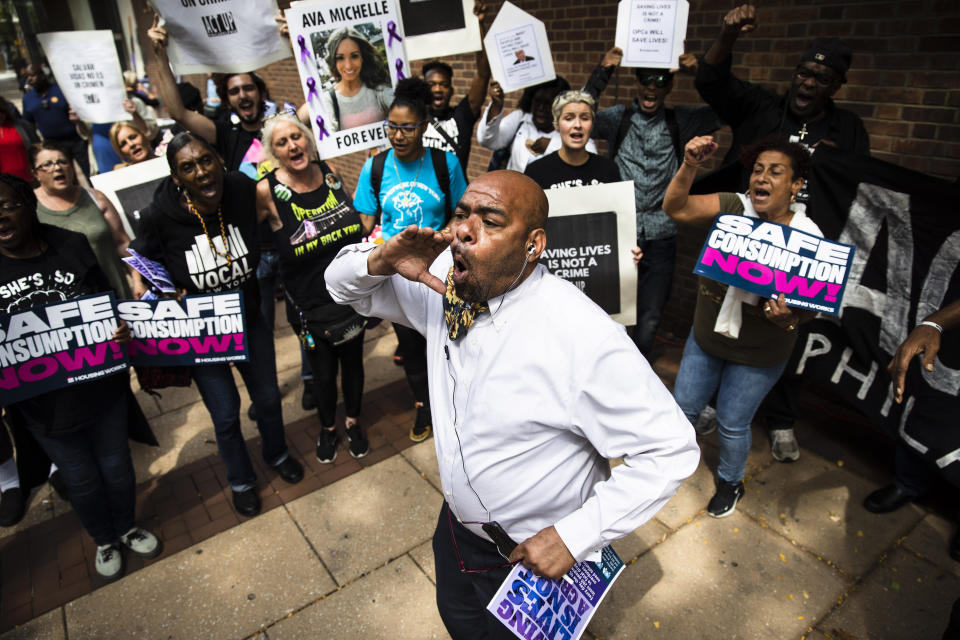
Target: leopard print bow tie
(459, 313)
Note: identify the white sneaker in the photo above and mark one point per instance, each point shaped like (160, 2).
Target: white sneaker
(706, 421)
(783, 445)
(141, 542)
(109, 563)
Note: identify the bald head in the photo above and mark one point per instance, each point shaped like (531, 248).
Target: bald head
(519, 194)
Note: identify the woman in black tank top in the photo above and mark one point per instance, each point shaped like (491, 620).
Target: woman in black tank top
(312, 217)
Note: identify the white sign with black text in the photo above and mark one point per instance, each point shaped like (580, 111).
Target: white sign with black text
(651, 32)
(518, 49)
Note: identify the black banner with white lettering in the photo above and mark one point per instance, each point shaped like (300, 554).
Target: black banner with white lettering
(906, 230)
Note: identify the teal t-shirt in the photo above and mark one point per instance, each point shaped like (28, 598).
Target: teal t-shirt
(409, 193)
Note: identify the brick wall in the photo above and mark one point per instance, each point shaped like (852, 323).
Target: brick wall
(904, 83)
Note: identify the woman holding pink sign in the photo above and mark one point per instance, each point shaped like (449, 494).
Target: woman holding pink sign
(740, 343)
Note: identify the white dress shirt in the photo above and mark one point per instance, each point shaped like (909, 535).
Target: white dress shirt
(515, 129)
(528, 406)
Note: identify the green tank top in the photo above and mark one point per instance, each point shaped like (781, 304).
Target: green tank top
(85, 217)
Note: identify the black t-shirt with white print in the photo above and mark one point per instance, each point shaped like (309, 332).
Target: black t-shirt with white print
(551, 172)
(175, 238)
(457, 123)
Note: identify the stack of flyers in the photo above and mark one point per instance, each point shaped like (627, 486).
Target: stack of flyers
(536, 607)
(155, 273)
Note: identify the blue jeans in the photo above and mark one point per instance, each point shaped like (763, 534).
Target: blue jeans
(220, 395)
(268, 273)
(654, 281)
(741, 390)
(96, 467)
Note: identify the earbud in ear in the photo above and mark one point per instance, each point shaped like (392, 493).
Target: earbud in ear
(531, 249)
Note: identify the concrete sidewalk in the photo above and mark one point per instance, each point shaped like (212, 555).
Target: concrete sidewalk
(351, 557)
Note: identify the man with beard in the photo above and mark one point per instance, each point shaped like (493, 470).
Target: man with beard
(533, 386)
(805, 114)
(45, 107)
(451, 129)
(646, 141)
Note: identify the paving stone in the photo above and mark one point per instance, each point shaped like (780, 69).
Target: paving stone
(225, 587)
(818, 504)
(641, 540)
(905, 598)
(422, 554)
(49, 626)
(719, 578)
(931, 538)
(423, 457)
(369, 517)
(395, 602)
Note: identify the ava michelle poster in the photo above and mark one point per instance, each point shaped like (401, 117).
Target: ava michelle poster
(225, 35)
(518, 49)
(87, 70)
(350, 56)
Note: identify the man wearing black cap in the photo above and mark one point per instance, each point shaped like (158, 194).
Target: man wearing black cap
(806, 114)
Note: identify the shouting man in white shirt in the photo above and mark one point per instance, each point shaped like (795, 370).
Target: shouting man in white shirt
(533, 389)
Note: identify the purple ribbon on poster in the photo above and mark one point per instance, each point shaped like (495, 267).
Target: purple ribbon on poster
(304, 52)
(392, 32)
(312, 85)
(400, 75)
(323, 128)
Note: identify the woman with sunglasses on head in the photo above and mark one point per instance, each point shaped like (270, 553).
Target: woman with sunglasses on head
(740, 343)
(362, 91)
(410, 184)
(84, 427)
(202, 226)
(311, 218)
(572, 165)
(63, 203)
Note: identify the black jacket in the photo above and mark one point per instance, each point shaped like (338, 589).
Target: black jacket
(754, 112)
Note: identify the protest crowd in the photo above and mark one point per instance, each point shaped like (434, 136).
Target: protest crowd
(514, 367)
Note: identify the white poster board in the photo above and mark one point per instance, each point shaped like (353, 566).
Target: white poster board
(228, 36)
(438, 28)
(518, 49)
(87, 70)
(591, 232)
(651, 32)
(131, 189)
(315, 29)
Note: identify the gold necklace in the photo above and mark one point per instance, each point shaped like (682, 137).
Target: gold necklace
(223, 232)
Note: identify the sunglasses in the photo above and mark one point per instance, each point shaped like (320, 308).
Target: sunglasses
(505, 544)
(660, 80)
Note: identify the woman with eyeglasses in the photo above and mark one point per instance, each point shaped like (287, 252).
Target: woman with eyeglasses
(572, 165)
(64, 203)
(202, 226)
(410, 184)
(362, 92)
(84, 427)
(311, 218)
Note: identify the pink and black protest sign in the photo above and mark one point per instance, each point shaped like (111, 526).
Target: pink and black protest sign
(767, 259)
(196, 330)
(57, 345)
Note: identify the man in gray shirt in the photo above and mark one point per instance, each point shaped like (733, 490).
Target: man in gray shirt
(646, 141)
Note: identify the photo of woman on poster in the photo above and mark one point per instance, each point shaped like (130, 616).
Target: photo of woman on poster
(358, 90)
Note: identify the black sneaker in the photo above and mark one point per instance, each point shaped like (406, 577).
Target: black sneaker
(327, 446)
(724, 501)
(359, 445)
(420, 430)
(308, 402)
(12, 507)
